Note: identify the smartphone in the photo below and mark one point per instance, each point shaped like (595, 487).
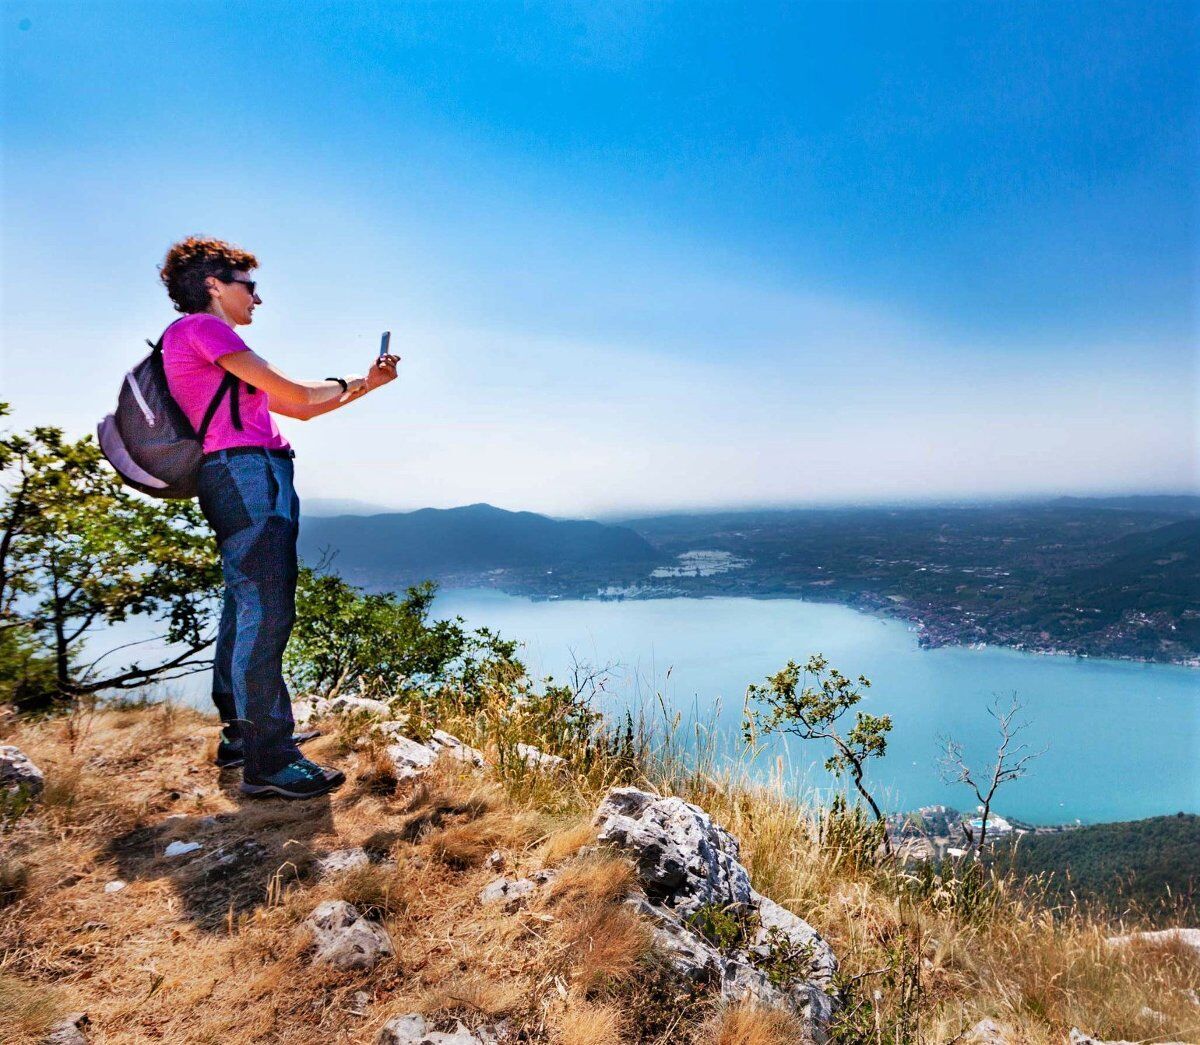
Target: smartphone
(385, 342)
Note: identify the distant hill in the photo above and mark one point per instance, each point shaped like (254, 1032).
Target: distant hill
(440, 543)
(1152, 866)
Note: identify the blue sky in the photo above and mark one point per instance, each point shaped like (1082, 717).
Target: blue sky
(636, 256)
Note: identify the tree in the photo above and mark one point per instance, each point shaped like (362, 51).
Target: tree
(347, 640)
(808, 703)
(1010, 764)
(78, 552)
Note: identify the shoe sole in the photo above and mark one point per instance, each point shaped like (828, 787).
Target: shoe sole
(278, 791)
(299, 738)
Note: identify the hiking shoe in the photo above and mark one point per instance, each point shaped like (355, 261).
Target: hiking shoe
(230, 755)
(299, 779)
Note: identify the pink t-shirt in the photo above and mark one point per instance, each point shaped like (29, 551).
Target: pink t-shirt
(191, 348)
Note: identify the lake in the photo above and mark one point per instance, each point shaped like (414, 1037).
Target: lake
(1123, 738)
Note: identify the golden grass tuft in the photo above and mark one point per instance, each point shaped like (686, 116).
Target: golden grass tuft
(566, 842)
(581, 1022)
(600, 878)
(748, 1024)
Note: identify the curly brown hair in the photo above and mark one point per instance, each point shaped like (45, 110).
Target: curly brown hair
(191, 261)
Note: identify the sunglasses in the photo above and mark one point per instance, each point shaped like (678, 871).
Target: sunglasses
(249, 284)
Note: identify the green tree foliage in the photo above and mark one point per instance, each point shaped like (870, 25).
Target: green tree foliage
(809, 703)
(1148, 867)
(78, 551)
(350, 641)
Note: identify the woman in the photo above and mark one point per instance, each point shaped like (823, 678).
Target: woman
(246, 495)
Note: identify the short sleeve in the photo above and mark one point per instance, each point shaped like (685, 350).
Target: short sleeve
(213, 338)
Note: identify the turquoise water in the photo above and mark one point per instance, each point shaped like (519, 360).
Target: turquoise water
(1123, 739)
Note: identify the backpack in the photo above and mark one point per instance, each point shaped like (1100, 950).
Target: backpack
(148, 439)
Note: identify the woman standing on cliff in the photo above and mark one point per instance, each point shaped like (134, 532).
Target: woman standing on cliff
(246, 495)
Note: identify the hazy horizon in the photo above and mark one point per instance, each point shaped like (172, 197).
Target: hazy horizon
(636, 260)
(327, 507)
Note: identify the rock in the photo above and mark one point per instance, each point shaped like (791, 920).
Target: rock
(410, 758)
(348, 705)
(17, 772)
(510, 893)
(360, 1003)
(455, 748)
(412, 1030)
(345, 940)
(342, 860)
(495, 860)
(531, 756)
(685, 863)
(181, 848)
(1079, 1038)
(683, 859)
(303, 712)
(1185, 937)
(70, 1031)
(115, 886)
(989, 1032)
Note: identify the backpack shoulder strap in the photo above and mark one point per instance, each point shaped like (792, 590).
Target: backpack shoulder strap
(229, 383)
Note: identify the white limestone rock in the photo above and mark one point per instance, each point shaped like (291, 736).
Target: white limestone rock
(347, 705)
(988, 1032)
(17, 772)
(71, 1030)
(181, 848)
(1079, 1038)
(532, 756)
(345, 940)
(686, 862)
(413, 1030)
(410, 758)
(442, 741)
(341, 860)
(512, 893)
(1185, 937)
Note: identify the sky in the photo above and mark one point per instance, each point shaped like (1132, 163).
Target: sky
(635, 257)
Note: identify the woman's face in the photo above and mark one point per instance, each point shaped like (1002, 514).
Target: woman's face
(235, 298)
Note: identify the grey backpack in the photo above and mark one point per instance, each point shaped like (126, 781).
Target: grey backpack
(148, 438)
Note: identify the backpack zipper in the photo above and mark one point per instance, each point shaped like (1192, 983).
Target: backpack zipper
(147, 413)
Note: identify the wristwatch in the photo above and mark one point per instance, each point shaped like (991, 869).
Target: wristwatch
(341, 381)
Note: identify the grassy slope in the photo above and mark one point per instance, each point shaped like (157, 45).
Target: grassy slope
(181, 955)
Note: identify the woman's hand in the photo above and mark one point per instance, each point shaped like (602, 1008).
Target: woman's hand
(382, 371)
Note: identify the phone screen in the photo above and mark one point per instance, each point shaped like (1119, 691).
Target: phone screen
(385, 342)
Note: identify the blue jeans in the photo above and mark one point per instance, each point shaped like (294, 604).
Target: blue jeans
(249, 501)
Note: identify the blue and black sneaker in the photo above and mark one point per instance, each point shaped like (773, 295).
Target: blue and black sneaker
(299, 779)
(231, 755)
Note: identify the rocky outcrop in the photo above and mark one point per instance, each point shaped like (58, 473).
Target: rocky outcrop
(690, 877)
(413, 1030)
(18, 773)
(345, 939)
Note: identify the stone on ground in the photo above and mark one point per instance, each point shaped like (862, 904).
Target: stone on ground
(17, 771)
(345, 939)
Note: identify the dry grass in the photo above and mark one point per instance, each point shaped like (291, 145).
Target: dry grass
(745, 1024)
(198, 950)
(580, 1022)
